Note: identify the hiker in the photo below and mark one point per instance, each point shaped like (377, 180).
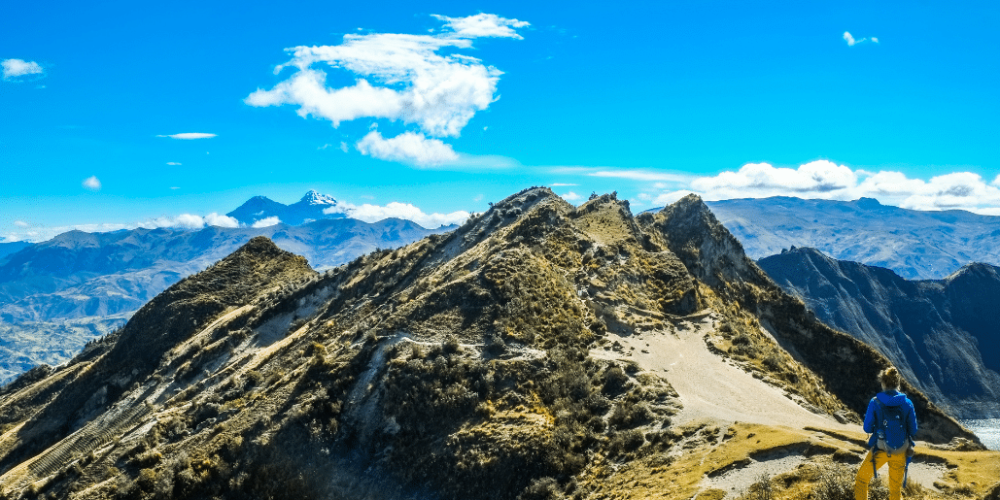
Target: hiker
(892, 423)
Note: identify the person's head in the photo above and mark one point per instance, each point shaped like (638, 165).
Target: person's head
(889, 378)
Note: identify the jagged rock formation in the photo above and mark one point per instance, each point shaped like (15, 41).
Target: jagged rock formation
(938, 332)
(914, 244)
(487, 362)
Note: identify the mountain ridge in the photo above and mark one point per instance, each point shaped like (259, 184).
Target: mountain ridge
(486, 362)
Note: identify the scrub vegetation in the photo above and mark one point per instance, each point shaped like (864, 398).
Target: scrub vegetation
(460, 366)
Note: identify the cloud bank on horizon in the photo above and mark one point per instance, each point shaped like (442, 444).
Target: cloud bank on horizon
(399, 77)
(824, 179)
(366, 212)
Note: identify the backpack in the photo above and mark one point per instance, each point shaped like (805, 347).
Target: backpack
(890, 426)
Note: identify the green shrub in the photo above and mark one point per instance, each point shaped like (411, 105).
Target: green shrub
(760, 489)
(545, 488)
(628, 416)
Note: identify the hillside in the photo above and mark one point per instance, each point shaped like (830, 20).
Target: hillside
(102, 278)
(935, 331)
(526, 354)
(915, 244)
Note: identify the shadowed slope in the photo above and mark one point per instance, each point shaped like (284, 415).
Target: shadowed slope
(847, 366)
(937, 332)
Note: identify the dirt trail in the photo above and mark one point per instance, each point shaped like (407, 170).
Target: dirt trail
(709, 387)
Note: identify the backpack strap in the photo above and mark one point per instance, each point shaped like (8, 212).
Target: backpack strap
(878, 423)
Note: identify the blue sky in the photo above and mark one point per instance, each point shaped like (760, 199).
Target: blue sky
(478, 100)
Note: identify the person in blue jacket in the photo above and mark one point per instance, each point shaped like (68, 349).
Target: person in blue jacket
(889, 443)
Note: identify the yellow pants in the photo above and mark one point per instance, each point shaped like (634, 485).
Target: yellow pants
(897, 471)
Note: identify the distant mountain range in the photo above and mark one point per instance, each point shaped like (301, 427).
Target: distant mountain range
(310, 208)
(914, 244)
(942, 334)
(86, 284)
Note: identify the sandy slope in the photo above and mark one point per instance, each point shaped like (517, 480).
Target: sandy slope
(712, 389)
(709, 387)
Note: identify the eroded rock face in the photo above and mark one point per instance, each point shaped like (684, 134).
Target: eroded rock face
(457, 366)
(936, 332)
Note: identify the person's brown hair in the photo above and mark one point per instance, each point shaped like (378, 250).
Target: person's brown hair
(889, 378)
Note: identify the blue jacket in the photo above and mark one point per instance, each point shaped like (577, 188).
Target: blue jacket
(891, 398)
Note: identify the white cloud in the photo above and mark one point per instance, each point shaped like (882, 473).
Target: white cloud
(407, 147)
(826, 180)
(13, 68)
(810, 179)
(399, 77)
(343, 146)
(190, 221)
(187, 136)
(373, 213)
(996, 182)
(214, 219)
(482, 25)
(267, 222)
(174, 163)
(562, 184)
(92, 183)
(21, 223)
(570, 196)
(851, 41)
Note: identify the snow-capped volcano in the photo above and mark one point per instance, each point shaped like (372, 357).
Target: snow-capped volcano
(310, 207)
(314, 197)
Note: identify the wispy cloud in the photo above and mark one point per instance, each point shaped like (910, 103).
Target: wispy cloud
(173, 163)
(187, 136)
(92, 183)
(641, 175)
(399, 77)
(482, 25)
(21, 223)
(571, 196)
(15, 68)
(562, 184)
(851, 41)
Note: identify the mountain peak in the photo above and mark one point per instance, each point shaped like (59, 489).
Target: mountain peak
(314, 197)
(868, 203)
